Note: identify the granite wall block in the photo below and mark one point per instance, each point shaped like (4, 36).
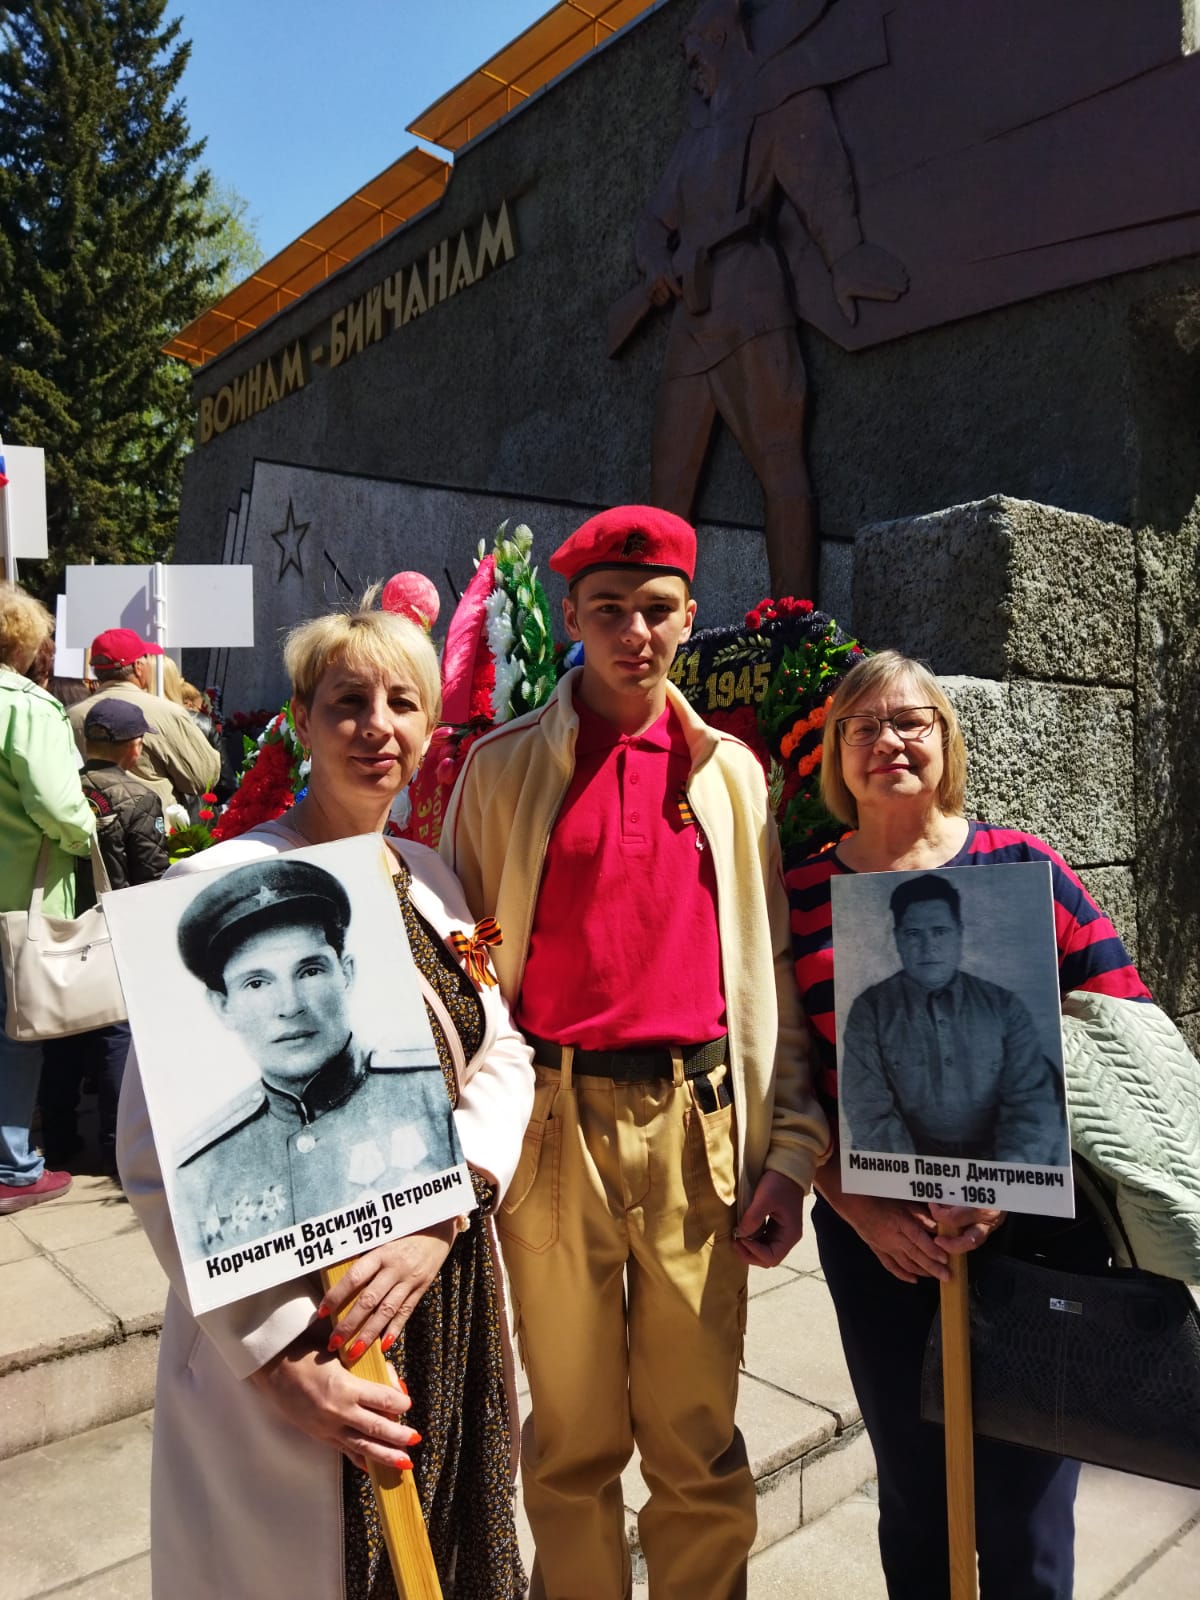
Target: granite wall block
(1114, 889)
(1001, 588)
(1165, 395)
(1053, 759)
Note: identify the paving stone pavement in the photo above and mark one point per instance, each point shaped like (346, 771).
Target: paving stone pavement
(83, 1295)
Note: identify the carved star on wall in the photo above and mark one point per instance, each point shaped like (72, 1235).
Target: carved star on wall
(289, 539)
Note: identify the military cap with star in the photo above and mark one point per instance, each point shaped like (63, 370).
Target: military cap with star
(628, 536)
(243, 902)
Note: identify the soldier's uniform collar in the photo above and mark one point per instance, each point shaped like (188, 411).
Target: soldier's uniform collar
(334, 1083)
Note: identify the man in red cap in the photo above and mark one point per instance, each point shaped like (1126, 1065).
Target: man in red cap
(177, 761)
(628, 853)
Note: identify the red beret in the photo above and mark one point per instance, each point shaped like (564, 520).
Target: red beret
(628, 536)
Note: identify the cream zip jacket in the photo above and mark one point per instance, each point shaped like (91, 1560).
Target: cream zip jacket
(495, 834)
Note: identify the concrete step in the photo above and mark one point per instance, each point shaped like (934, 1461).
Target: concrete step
(83, 1299)
(79, 1347)
(74, 1522)
(75, 1516)
(1134, 1540)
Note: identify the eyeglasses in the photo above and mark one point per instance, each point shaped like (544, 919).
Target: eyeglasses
(911, 724)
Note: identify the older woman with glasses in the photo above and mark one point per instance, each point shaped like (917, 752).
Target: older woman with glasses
(894, 770)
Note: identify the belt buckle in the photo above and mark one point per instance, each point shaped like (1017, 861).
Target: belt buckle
(634, 1066)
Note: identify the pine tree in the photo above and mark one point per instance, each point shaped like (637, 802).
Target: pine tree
(105, 252)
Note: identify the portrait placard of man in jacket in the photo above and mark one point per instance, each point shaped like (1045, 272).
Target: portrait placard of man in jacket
(939, 1062)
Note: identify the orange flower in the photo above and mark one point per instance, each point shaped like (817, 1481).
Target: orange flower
(809, 724)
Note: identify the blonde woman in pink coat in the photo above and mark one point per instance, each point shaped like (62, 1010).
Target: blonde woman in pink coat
(260, 1435)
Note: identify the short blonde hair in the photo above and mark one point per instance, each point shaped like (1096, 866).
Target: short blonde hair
(172, 681)
(25, 624)
(868, 679)
(363, 639)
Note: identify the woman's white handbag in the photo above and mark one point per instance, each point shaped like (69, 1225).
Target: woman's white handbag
(60, 975)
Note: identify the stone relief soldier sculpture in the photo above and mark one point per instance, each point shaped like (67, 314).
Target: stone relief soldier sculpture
(761, 136)
(877, 167)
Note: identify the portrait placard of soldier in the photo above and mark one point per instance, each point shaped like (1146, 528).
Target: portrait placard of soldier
(298, 1107)
(950, 1066)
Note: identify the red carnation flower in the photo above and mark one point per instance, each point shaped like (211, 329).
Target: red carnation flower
(264, 793)
(743, 724)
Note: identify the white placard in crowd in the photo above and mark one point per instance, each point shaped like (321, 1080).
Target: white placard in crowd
(68, 661)
(26, 500)
(210, 606)
(199, 606)
(298, 1107)
(949, 1030)
(99, 598)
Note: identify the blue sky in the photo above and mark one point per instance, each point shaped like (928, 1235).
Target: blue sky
(301, 101)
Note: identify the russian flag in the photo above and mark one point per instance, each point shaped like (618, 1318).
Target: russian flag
(3, 472)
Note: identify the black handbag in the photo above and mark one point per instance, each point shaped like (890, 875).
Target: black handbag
(1100, 1366)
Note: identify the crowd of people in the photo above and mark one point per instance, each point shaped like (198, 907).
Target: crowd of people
(632, 1007)
(99, 763)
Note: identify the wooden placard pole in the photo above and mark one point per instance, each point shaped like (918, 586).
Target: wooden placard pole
(960, 1439)
(404, 1530)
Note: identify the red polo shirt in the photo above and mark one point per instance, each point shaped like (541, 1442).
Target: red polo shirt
(625, 949)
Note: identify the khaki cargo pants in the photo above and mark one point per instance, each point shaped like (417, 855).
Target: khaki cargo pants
(629, 1303)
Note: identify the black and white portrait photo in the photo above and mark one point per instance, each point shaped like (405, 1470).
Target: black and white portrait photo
(949, 1038)
(298, 1105)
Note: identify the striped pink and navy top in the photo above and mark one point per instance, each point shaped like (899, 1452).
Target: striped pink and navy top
(1090, 952)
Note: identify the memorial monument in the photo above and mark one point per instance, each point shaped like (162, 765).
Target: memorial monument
(967, 366)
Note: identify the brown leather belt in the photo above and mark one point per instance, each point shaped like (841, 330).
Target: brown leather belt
(633, 1066)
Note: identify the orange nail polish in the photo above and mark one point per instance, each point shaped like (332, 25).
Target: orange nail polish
(403, 1387)
(355, 1350)
(336, 1341)
(402, 1464)
(386, 1343)
(416, 1438)
(322, 1309)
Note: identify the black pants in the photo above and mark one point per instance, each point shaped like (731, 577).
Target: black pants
(1024, 1500)
(99, 1055)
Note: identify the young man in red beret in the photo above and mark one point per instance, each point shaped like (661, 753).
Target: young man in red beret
(628, 853)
